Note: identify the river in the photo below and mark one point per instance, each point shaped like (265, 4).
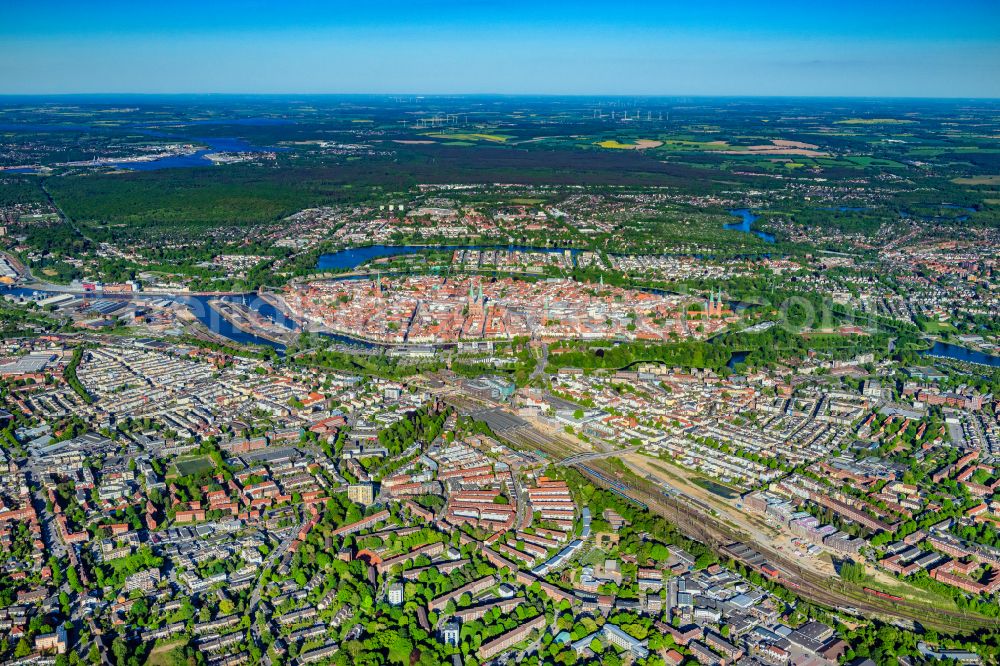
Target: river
(350, 258)
(964, 354)
(200, 308)
(210, 318)
(215, 322)
(196, 159)
(939, 350)
(199, 157)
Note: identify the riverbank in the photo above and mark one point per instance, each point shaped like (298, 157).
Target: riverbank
(349, 259)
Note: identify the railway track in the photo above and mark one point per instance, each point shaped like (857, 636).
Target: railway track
(699, 524)
(517, 431)
(809, 585)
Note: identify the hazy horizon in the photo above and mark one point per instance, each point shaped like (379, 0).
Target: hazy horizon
(852, 49)
(433, 95)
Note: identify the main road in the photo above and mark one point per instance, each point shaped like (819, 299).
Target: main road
(271, 560)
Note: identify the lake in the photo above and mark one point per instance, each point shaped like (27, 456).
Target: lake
(937, 218)
(746, 224)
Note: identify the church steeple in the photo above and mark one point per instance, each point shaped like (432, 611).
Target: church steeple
(715, 303)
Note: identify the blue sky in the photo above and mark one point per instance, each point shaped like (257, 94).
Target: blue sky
(917, 48)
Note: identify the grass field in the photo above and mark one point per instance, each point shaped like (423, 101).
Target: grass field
(864, 160)
(170, 653)
(849, 162)
(685, 145)
(887, 583)
(933, 327)
(715, 487)
(977, 180)
(192, 466)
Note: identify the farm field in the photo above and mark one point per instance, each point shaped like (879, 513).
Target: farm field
(978, 180)
(640, 144)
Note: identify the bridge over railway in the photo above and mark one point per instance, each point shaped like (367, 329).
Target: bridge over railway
(589, 457)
